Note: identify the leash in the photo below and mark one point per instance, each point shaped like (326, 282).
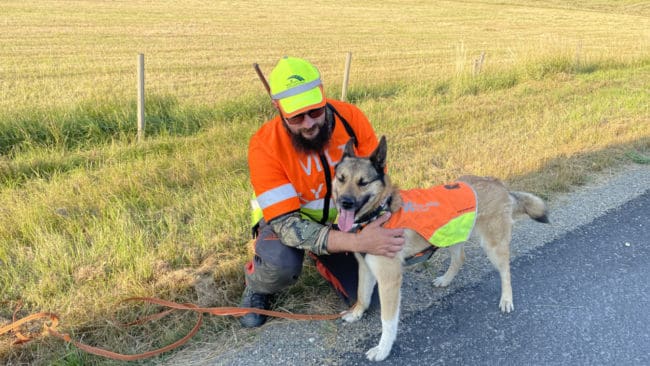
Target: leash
(53, 320)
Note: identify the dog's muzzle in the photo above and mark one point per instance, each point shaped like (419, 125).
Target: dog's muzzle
(347, 203)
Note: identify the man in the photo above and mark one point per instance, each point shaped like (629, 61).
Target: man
(291, 160)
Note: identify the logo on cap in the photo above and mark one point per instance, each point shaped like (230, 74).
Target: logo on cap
(294, 80)
(297, 77)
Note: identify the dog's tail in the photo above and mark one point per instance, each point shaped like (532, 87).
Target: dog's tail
(527, 204)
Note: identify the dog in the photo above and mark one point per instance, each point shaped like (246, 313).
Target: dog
(362, 192)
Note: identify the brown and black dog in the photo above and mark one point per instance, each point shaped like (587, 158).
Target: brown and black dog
(361, 189)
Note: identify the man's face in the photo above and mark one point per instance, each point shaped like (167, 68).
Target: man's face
(309, 131)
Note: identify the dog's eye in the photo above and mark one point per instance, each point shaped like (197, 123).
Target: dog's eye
(362, 183)
(341, 179)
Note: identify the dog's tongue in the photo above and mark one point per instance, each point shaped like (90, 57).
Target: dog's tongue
(346, 220)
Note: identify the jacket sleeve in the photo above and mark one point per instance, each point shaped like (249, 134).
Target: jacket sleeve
(296, 232)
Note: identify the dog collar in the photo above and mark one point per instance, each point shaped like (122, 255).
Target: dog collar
(371, 216)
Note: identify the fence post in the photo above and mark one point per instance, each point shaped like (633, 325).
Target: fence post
(140, 97)
(478, 64)
(346, 76)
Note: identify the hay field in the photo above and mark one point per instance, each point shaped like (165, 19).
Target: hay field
(57, 53)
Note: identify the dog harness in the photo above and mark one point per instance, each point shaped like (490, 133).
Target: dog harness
(444, 215)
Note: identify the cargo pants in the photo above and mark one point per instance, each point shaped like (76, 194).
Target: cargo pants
(275, 267)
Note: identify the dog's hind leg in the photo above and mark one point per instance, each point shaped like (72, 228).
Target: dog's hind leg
(498, 251)
(365, 288)
(388, 272)
(457, 254)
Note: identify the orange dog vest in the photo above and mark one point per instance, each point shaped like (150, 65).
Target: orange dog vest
(444, 215)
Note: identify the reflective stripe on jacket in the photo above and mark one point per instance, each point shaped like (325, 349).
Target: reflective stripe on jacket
(444, 215)
(285, 180)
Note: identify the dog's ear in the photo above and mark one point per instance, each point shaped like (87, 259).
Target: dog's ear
(378, 157)
(349, 149)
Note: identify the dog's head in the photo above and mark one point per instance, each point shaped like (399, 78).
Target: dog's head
(360, 184)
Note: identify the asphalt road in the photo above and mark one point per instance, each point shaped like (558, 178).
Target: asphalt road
(580, 288)
(582, 299)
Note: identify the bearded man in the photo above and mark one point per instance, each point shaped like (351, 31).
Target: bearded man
(291, 159)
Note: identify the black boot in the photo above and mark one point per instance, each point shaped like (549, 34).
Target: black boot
(252, 299)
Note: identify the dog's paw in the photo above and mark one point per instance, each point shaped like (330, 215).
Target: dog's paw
(441, 282)
(353, 314)
(506, 305)
(377, 353)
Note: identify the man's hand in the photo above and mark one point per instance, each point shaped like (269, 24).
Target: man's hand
(377, 240)
(373, 239)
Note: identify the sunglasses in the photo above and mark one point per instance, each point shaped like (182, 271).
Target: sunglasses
(299, 118)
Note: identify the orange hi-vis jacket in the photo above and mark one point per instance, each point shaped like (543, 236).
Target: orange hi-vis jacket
(444, 215)
(286, 180)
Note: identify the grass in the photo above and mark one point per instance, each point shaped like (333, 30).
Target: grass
(89, 217)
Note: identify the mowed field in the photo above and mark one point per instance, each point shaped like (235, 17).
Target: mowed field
(89, 216)
(60, 52)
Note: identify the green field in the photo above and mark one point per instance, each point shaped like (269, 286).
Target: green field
(89, 216)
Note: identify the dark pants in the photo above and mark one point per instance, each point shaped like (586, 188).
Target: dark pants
(276, 266)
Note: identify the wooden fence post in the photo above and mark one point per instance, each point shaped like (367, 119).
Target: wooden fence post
(478, 64)
(140, 97)
(346, 76)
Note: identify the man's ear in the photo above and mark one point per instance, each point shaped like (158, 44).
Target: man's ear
(349, 149)
(378, 157)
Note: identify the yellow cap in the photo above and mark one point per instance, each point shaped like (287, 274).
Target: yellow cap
(296, 86)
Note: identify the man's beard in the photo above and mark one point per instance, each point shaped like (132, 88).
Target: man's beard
(315, 145)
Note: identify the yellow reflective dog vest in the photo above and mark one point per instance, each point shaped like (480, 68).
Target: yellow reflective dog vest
(444, 215)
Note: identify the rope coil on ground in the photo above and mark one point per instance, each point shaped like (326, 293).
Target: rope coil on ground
(53, 320)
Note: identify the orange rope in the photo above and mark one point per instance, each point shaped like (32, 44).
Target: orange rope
(51, 329)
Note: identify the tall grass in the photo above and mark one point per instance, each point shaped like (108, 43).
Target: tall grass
(89, 217)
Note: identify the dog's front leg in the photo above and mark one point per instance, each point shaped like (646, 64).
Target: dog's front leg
(388, 272)
(365, 287)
